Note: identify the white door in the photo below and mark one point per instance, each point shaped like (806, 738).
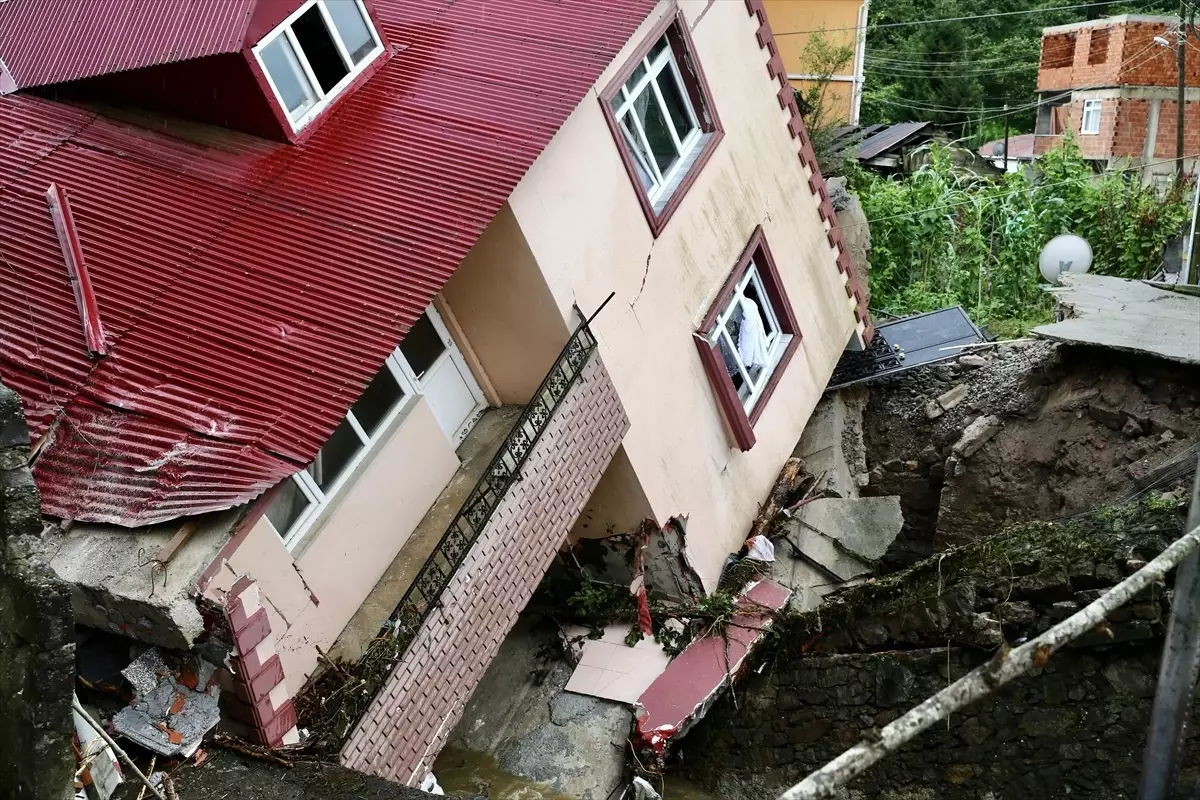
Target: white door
(440, 373)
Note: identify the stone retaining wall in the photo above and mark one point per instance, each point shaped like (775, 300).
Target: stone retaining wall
(1077, 729)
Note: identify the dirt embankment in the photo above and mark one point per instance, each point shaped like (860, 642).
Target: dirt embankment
(1024, 432)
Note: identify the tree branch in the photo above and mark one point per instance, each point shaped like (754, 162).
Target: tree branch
(984, 680)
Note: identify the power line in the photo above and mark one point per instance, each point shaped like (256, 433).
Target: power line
(917, 105)
(881, 26)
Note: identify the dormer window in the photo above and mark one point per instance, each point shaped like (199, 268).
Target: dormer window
(315, 53)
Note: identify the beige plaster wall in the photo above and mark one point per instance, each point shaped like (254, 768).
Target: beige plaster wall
(311, 594)
(618, 504)
(579, 214)
(506, 311)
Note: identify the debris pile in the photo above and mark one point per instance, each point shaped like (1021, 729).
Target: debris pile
(1024, 431)
(172, 708)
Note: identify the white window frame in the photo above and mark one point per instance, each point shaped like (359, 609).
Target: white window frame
(777, 340)
(320, 499)
(661, 184)
(1091, 111)
(413, 387)
(306, 115)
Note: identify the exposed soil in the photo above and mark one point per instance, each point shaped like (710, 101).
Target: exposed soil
(1077, 427)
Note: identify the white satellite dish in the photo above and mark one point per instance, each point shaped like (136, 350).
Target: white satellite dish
(1066, 253)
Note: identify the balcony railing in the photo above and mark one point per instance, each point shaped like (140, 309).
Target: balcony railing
(503, 471)
(334, 704)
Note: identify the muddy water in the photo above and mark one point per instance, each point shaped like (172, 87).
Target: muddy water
(464, 772)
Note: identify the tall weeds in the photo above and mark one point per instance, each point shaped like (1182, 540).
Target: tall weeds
(943, 236)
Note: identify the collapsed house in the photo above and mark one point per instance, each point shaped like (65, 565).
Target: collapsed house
(314, 344)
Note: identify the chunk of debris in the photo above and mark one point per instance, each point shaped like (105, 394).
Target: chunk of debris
(845, 536)
(976, 436)
(946, 401)
(682, 695)
(172, 708)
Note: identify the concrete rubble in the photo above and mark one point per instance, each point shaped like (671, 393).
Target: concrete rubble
(119, 585)
(172, 707)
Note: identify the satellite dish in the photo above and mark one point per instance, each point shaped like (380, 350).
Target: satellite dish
(1066, 253)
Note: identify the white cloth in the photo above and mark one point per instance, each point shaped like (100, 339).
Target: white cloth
(642, 790)
(761, 549)
(752, 336)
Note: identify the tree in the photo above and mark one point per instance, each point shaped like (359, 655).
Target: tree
(823, 60)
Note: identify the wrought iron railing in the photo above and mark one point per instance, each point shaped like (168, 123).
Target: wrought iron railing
(503, 471)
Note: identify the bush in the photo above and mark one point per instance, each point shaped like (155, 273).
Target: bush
(944, 237)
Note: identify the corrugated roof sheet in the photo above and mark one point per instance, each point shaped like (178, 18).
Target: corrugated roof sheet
(871, 141)
(52, 41)
(249, 289)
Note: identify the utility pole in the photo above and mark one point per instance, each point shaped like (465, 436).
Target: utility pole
(1181, 65)
(1006, 138)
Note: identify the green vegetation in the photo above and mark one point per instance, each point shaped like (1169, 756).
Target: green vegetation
(824, 60)
(960, 74)
(942, 236)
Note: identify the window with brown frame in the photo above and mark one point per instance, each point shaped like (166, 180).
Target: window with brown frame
(662, 117)
(747, 339)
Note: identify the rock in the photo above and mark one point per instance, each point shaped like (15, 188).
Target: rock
(976, 436)
(930, 455)
(952, 398)
(893, 683)
(958, 774)
(1166, 438)
(1106, 416)
(894, 465)
(1132, 428)
(933, 410)
(1015, 612)
(1129, 678)
(974, 731)
(972, 360)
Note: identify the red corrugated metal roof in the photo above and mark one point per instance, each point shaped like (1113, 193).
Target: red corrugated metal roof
(249, 289)
(52, 41)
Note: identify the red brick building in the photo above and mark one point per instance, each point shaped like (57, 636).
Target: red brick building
(1115, 87)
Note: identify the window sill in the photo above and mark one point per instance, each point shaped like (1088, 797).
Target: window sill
(660, 212)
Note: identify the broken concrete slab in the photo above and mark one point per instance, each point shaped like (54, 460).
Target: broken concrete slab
(117, 586)
(946, 401)
(832, 442)
(976, 435)
(844, 536)
(521, 714)
(1126, 315)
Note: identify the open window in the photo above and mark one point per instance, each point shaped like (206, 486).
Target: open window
(747, 339)
(315, 53)
(661, 114)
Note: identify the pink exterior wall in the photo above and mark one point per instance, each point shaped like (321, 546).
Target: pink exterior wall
(580, 216)
(412, 716)
(310, 594)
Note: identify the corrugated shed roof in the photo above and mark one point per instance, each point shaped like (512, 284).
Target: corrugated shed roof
(871, 141)
(889, 137)
(248, 289)
(52, 41)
